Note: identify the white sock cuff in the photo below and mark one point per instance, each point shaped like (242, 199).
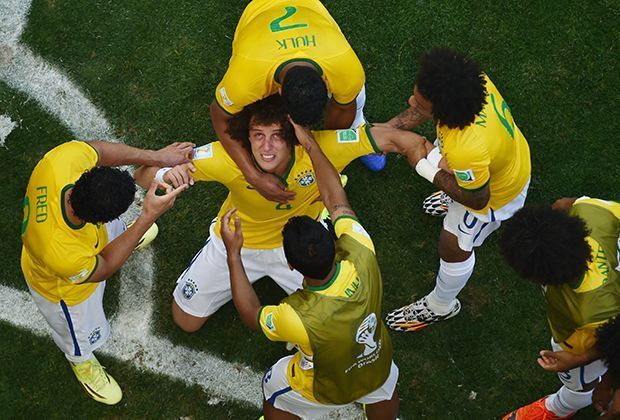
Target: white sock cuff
(458, 268)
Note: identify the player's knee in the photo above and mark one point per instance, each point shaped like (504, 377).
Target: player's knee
(185, 321)
(449, 249)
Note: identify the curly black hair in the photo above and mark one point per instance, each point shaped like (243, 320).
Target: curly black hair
(608, 345)
(546, 246)
(308, 247)
(454, 84)
(305, 95)
(102, 194)
(267, 111)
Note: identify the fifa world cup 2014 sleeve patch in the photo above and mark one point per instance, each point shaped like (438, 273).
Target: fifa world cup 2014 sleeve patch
(466, 175)
(203, 152)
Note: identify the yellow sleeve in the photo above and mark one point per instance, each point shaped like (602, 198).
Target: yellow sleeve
(343, 146)
(471, 167)
(74, 155)
(213, 164)
(281, 323)
(345, 77)
(70, 262)
(347, 225)
(612, 206)
(239, 86)
(581, 340)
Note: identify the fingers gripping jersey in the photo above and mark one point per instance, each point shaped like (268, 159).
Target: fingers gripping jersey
(272, 33)
(492, 150)
(262, 219)
(57, 256)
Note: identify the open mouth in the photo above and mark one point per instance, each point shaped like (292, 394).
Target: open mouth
(268, 158)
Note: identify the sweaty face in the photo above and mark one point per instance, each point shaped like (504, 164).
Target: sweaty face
(420, 103)
(269, 148)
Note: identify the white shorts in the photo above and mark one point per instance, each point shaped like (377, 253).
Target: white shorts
(278, 393)
(204, 286)
(471, 228)
(575, 379)
(79, 329)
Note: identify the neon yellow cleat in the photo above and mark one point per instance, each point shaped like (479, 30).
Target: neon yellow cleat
(96, 382)
(147, 238)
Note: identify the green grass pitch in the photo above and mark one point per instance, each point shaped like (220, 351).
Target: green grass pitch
(152, 67)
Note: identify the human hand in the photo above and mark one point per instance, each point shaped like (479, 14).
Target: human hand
(155, 205)
(304, 135)
(174, 154)
(180, 175)
(270, 187)
(558, 361)
(233, 240)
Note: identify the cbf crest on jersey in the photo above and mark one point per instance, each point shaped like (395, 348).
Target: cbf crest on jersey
(305, 178)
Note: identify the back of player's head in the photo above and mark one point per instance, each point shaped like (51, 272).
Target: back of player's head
(454, 84)
(267, 111)
(102, 194)
(308, 247)
(305, 95)
(608, 345)
(546, 246)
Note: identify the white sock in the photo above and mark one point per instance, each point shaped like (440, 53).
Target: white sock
(451, 279)
(79, 359)
(566, 401)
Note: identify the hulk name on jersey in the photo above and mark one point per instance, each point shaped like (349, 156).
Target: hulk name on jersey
(263, 220)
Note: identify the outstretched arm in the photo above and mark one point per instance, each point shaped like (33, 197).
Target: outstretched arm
(116, 154)
(244, 297)
(112, 257)
(406, 120)
(330, 187)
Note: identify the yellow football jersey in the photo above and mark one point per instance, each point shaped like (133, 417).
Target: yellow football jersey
(272, 33)
(57, 256)
(263, 220)
(282, 323)
(492, 150)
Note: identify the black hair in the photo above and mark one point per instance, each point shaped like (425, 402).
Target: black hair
(546, 246)
(305, 95)
(608, 345)
(267, 111)
(454, 84)
(102, 194)
(308, 247)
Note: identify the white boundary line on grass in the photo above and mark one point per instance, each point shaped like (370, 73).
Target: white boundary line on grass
(132, 339)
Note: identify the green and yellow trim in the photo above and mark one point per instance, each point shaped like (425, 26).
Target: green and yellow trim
(329, 283)
(64, 210)
(373, 143)
(276, 76)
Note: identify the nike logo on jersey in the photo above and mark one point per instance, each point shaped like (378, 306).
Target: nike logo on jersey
(249, 187)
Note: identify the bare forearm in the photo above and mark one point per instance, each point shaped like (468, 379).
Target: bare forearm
(114, 255)
(406, 120)
(339, 116)
(244, 297)
(116, 154)
(328, 179)
(476, 200)
(144, 175)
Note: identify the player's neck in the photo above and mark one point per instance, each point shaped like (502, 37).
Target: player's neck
(321, 282)
(292, 64)
(76, 221)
